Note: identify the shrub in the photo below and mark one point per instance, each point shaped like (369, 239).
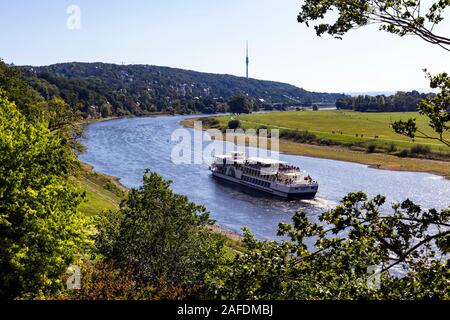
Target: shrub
(403, 154)
(391, 147)
(371, 148)
(104, 280)
(419, 149)
(41, 228)
(110, 186)
(234, 124)
(326, 142)
(211, 122)
(160, 234)
(298, 136)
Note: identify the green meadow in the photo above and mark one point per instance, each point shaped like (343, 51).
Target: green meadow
(344, 127)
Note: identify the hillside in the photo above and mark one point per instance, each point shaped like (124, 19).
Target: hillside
(141, 89)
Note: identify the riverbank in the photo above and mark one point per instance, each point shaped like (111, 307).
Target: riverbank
(374, 160)
(94, 120)
(104, 192)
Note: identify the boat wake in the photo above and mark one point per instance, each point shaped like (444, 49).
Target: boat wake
(320, 203)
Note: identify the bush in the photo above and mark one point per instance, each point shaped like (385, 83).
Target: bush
(41, 228)
(419, 149)
(326, 142)
(105, 281)
(298, 136)
(158, 234)
(391, 148)
(111, 186)
(371, 148)
(403, 154)
(211, 122)
(234, 124)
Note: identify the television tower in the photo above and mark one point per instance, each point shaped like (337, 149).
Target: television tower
(247, 60)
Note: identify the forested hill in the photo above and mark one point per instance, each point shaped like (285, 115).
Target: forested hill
(139, 89)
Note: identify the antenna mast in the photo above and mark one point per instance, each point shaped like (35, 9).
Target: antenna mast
(247, 60)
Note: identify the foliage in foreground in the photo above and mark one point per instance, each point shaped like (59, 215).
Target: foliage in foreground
(436, 108)
(336, 259)
(160, 235)
(41, 228)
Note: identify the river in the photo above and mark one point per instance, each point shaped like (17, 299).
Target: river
(126, 147)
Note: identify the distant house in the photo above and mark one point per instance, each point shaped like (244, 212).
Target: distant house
(94, 112)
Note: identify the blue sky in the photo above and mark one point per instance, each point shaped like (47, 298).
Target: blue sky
(210, 35)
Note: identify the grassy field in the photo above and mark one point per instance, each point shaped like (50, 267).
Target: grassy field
(350, 124)
(343, 126)
(102, 192)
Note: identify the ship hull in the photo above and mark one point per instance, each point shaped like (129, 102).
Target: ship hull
(267, 191)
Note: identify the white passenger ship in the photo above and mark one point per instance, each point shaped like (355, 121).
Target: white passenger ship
(271, 176)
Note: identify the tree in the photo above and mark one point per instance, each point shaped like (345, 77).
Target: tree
(41, 229)
(106, 110)
(335, 259)
(239, 104)
(436, 108)
(18, 91)
(397, 17)
(234, 124)
(401, 18)
(159, 234)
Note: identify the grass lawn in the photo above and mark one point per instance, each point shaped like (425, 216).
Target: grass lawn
(102, 192)
(343, 126)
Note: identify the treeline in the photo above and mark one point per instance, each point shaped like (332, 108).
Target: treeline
(98, 89)
(400, 102)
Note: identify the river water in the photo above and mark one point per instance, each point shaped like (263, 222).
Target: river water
(126, 147)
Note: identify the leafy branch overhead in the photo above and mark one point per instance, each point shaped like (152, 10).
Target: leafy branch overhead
(436, 108)
(401, 17)
(331, 259)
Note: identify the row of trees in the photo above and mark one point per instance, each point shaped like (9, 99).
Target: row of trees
(399, 102)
